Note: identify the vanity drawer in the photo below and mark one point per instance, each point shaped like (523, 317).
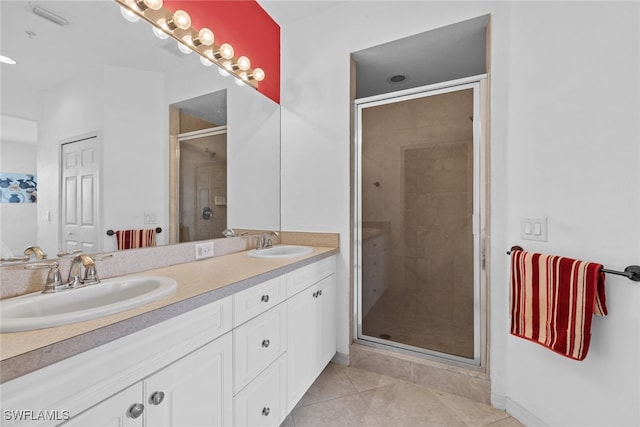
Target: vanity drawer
(304, 277)
(257, 343)
(263, 402)
(251, 302)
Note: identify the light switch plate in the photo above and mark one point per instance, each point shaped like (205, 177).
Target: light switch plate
(533, 229)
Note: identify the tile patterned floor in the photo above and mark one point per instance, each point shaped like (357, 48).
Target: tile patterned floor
(344, 396)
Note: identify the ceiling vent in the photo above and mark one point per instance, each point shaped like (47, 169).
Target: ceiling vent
(50, 16)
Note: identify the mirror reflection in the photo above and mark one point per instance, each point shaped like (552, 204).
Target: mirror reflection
(112, 85)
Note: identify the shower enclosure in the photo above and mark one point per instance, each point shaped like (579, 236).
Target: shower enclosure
(203, 184)
(417, 221)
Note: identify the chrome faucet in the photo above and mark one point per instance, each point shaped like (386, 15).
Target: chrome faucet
(264, 242)
(90, 273)
(35, 250)
(75, 279)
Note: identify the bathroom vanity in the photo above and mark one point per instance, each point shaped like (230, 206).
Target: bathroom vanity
(261, 333)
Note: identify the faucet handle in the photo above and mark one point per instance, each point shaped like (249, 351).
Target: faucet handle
(35, 250)
(90, 270)
(71, 252)
(54, 278)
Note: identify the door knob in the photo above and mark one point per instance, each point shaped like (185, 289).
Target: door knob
(136, 410)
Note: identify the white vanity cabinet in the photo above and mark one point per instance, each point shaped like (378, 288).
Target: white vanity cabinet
(193, 391)
(113, 412)
(311, 327)
(244, 360)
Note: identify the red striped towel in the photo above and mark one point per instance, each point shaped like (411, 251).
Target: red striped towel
(553, 299)
(131, 239)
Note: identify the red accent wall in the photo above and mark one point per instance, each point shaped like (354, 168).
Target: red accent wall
(245, 26)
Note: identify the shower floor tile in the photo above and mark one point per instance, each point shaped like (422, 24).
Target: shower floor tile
(397, 317)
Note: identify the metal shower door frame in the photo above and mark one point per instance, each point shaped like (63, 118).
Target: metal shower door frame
(479, 328)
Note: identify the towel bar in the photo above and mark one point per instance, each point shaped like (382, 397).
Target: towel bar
(632, 272)
(111, 232)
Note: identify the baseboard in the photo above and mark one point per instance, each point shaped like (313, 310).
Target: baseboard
(517, 411)
(341, 359)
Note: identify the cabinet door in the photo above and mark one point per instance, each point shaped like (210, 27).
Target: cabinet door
(116, 411)
(194, 391)
(303, 343)
(326, 321)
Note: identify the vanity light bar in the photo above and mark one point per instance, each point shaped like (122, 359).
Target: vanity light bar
(178, 26)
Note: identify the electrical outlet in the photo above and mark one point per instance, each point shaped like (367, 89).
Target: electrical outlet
(204, 250)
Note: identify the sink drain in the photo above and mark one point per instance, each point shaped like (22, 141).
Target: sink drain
(384, 336)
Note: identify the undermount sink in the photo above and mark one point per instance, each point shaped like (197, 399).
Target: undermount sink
(38, 310)
(280, 251)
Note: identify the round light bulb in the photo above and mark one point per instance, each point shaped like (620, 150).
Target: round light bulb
(205, 36)
(258, 74)
(228, 65)
(159, 33)
(226, 51)
(244, 63)
(205, 62)
(154, 4)
(223, 72)
(128, 14)
(184, 48)
(149, 4)
(238, 82)
(181, 19)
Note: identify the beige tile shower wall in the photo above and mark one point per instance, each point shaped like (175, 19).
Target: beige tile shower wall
(418, 177)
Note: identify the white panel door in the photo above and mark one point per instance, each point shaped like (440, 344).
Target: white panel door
(80, 201)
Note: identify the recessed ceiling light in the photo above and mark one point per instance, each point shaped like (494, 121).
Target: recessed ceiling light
(6, 60)
(397, 78)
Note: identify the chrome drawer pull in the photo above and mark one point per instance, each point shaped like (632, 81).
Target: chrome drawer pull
(266, 411)
(265, 298)
(265, 343)
(135, 410)
(156, 398)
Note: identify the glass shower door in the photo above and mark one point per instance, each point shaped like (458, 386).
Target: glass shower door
(418, 286)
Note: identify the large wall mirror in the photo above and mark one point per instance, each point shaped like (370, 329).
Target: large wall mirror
(112, 85)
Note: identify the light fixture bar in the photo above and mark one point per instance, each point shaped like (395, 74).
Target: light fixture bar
(50, 16)
(161, 19)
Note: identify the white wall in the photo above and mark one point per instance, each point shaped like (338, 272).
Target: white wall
(71, 109)
(18, 228)
(565, 113)
(135, 152)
